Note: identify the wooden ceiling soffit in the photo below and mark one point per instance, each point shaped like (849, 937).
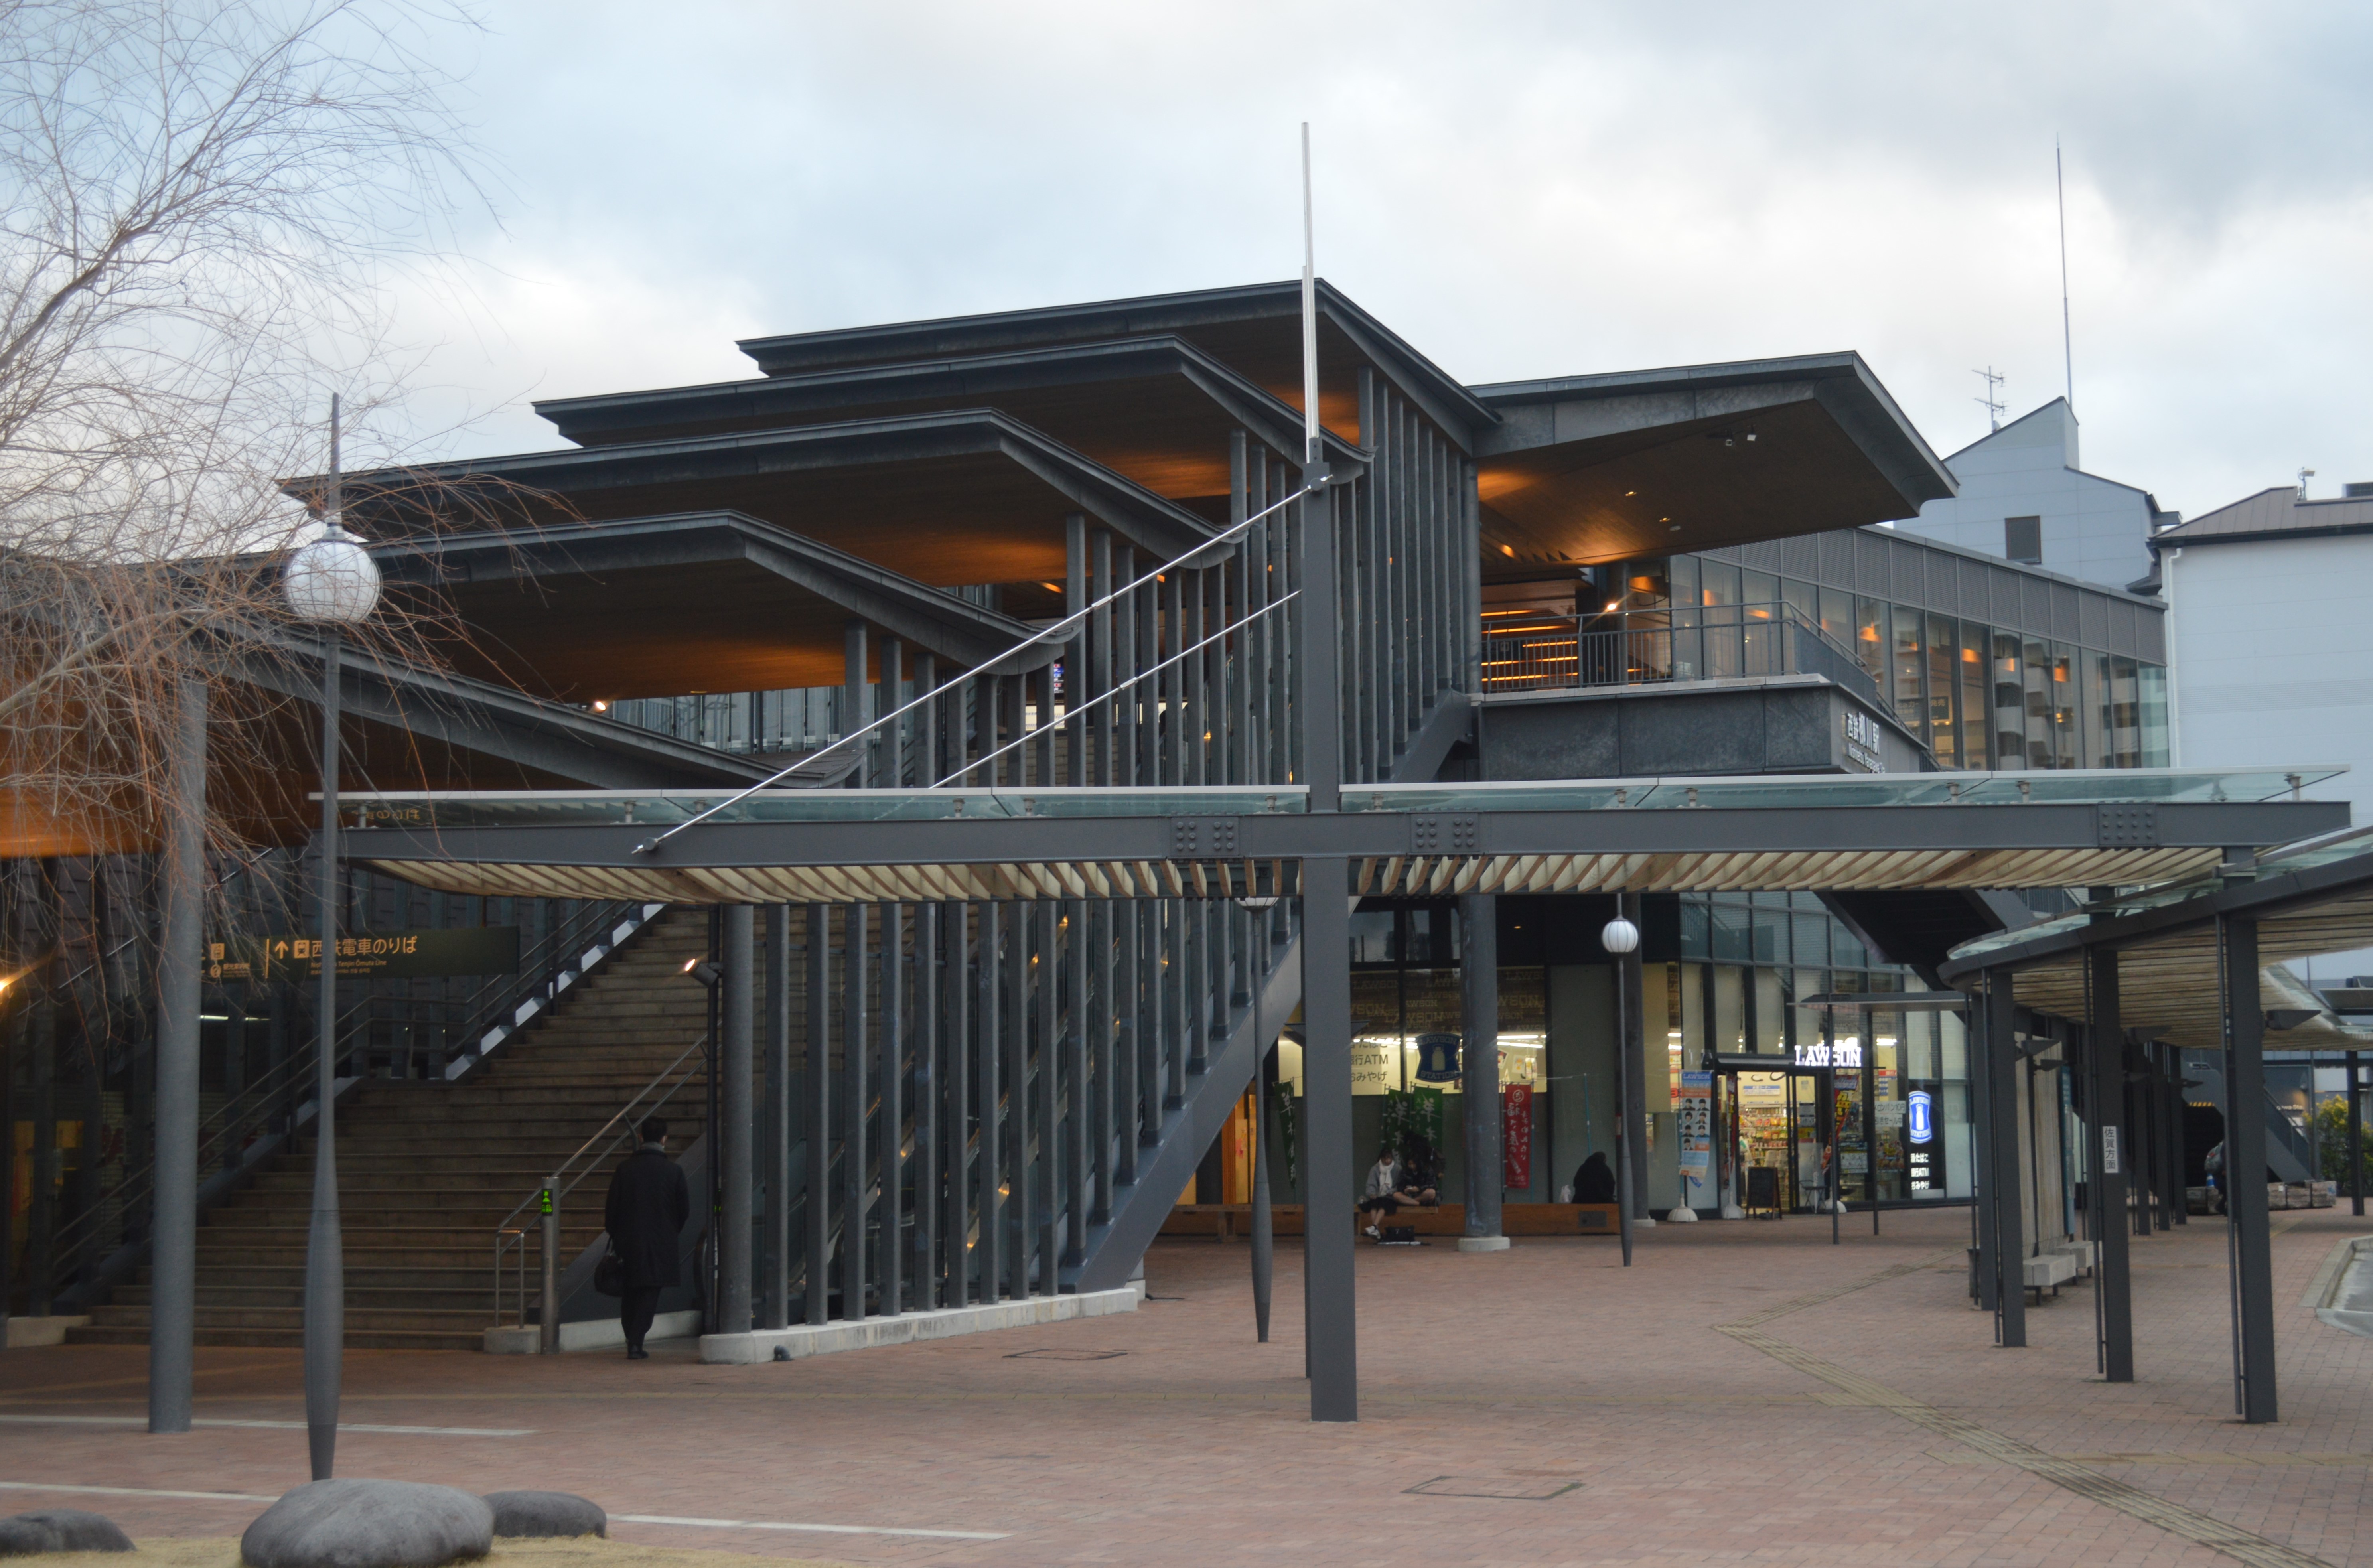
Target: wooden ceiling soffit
(972, 635)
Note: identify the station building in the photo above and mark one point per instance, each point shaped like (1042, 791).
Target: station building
(1004, 557)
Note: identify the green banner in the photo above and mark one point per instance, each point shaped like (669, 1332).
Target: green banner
(371, 955)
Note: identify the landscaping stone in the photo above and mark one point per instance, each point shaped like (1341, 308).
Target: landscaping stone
(534, 1514)
(60, 1530)
(370, 1524)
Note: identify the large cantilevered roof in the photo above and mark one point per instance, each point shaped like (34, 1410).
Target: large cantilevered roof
(1155, 410)
(659, 606)
(947, 498)
(1583, 469)
(2075, 829)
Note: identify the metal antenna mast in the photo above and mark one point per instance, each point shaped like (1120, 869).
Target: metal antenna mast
(1991, 403)
(2067, 343)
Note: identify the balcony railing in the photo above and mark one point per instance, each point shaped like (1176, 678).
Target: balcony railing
(1524, 651)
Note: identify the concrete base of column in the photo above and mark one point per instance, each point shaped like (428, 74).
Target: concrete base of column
(1482, 1244)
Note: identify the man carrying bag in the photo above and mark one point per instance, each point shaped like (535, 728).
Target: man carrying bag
(648, 1202)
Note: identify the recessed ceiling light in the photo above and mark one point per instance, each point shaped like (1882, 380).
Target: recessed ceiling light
(1508, 552)
(1631, 492)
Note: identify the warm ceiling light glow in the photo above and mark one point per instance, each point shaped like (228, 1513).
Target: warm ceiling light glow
(1508, 551)
(1615, 604)
(1050, 588)
(1631, 492)
(600, 706)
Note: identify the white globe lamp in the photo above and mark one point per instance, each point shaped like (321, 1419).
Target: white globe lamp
(1620, 937)
(333, 579)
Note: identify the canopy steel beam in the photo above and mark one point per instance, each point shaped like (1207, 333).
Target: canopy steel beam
(1370, 833)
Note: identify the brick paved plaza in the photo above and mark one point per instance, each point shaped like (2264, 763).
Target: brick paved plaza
(1748, 1393)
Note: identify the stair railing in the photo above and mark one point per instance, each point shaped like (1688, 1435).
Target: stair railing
(546, 1200)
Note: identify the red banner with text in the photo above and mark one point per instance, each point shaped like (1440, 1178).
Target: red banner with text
(1516, 1136)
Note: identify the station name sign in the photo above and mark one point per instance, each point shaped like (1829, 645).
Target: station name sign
(1864, 741)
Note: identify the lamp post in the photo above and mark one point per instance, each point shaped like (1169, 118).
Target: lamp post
(330, 582)
(1621, 938)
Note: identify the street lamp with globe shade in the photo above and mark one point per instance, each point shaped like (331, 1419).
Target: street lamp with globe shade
(330, 583)
(1621, 938)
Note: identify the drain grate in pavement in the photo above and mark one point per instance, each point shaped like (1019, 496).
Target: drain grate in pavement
(1065, 1355)
(1530, 1488)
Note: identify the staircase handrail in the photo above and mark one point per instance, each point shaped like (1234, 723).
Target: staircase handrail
(547, 1196)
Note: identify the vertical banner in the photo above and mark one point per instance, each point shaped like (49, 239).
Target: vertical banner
(1516, 1136)
(1696, 1117)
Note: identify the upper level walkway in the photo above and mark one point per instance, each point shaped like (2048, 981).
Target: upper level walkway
(1747, 1393)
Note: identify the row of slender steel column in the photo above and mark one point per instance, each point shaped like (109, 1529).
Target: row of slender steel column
(952, 1092)
(2110, 1163)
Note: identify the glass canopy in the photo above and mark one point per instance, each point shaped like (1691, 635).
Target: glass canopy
(547, 808)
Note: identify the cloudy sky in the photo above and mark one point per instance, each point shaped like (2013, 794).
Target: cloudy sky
(1519, 189)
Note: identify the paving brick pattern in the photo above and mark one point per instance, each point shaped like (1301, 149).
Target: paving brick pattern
(1535, 1406)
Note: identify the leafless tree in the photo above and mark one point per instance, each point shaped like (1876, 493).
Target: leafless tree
(208, 207)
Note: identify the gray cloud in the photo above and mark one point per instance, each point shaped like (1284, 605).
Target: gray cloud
(1520, 188)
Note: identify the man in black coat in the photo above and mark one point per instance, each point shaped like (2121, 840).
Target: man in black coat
(648, 1202)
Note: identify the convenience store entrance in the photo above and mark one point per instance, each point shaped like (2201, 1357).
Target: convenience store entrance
(1775, 1137)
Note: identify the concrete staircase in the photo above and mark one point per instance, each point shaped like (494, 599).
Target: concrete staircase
(426, 1170)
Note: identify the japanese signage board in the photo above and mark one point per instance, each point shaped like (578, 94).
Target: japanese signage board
(1863, 738)
(369, 955)
(1516, 1136)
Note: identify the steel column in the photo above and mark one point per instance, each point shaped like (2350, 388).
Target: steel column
(889, 1257)
(990, 1166)
(930, 997)
(2108, 1154)
(774, 1307)
(2002, 1097)
(1478, 1058)
(1333, 1327)
(2245, 1173)
(856, 1029)
(2354, 1106)
(172, 1313)
(818, 1167)
(956, 1228)
(736, 1101)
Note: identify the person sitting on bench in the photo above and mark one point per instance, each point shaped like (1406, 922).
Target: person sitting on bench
(1421, 1182)
(1383, 1195)
(1595, 1182)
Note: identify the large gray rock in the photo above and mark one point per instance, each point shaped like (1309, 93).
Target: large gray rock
(60, 1530)
(370, 1524)
(547, 1514)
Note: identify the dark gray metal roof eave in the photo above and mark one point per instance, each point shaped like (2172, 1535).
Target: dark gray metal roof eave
(1150, 520)
(1270, 417)
(1847, 389)
(961, 336)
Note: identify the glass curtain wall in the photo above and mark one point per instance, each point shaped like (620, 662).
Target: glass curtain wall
(1978, 697)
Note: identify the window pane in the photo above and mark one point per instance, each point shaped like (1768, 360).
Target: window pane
(2065, 746)
(2036, 718)
(2150, 687)
(1870, 638)
(1944, 737)
(1907, 668)
(2010, 702)
(1770, 1012)
(1837, 617)
(2121, 715)
(1718, 582)
(1802, 598)
(1976, 718)
(1729, 1008)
